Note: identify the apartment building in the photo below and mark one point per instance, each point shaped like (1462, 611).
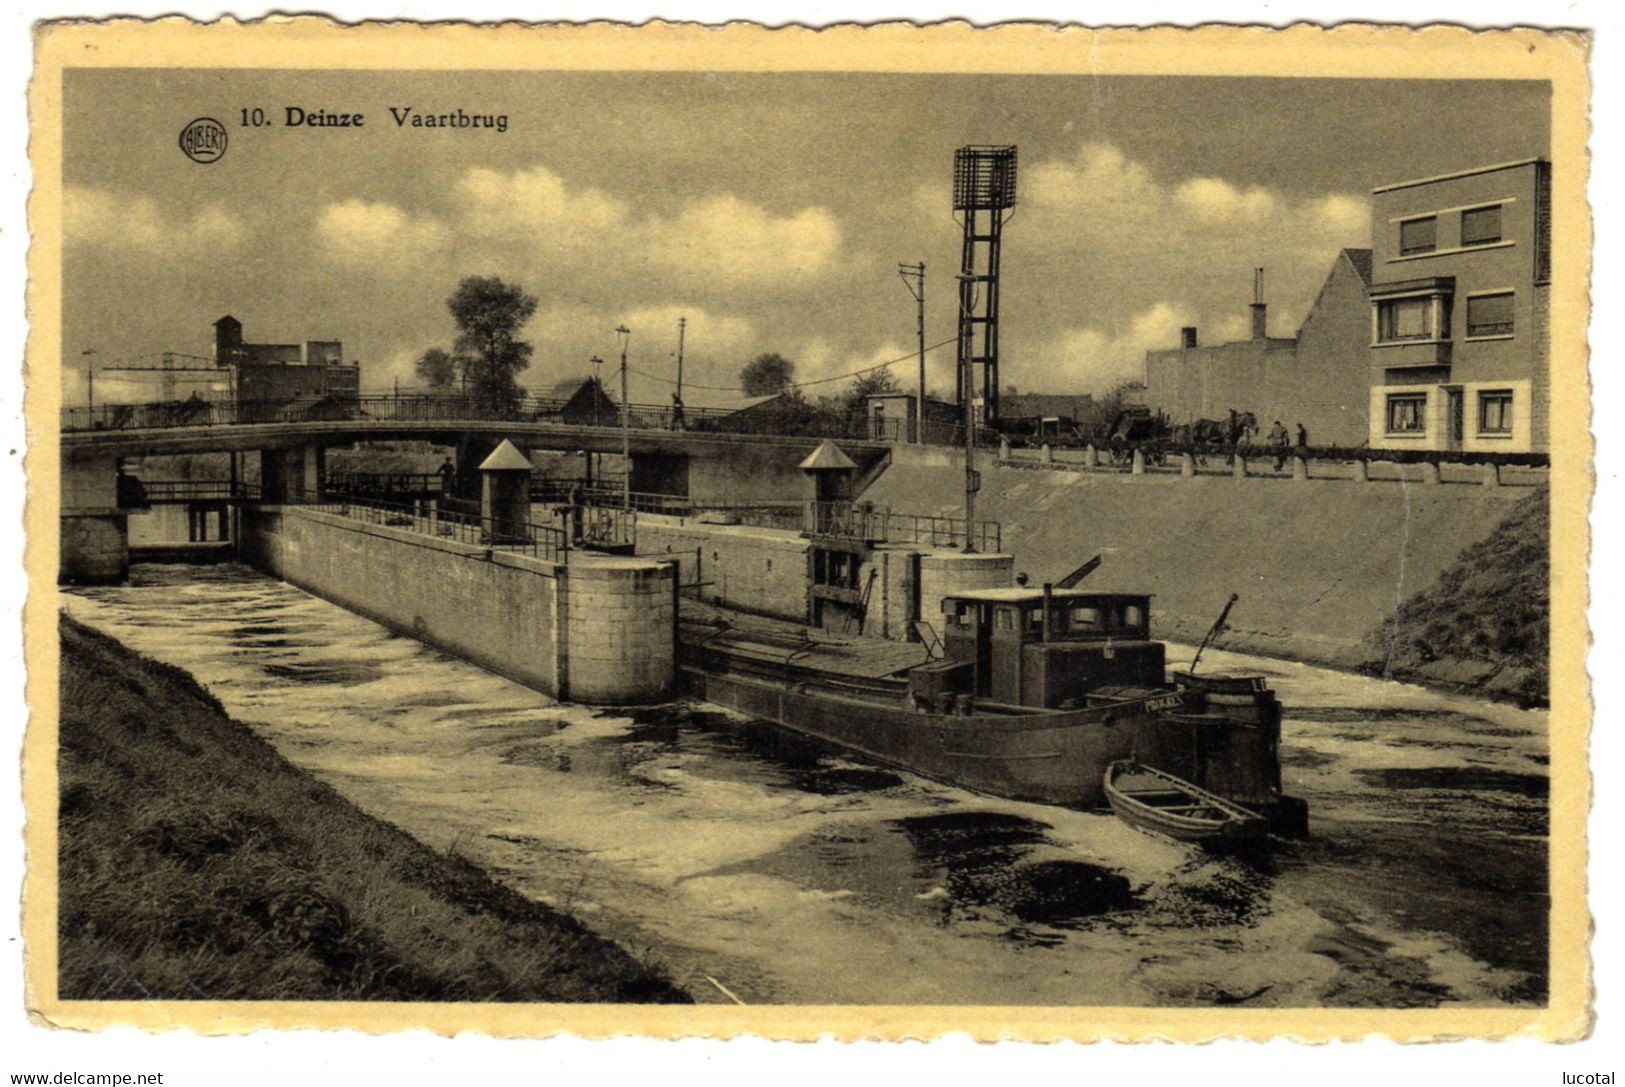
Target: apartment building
(1461, 265)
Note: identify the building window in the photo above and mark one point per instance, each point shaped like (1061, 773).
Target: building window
(1489, 314)
(1495, 412)
(1481, 226)
(1418, 236)
(1407, 413)
(1405, 319)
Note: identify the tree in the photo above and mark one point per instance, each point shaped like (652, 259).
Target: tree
(872, 383)
(489, 314)
(437, 369)
(853, 403)
(767, 375)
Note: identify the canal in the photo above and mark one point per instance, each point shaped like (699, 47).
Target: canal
(791, 873)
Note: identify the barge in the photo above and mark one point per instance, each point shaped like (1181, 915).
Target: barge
(1035, 693)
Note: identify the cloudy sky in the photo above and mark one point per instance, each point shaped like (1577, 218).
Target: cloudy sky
(770, 210)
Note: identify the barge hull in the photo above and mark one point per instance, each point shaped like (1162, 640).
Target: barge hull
(1055, 758)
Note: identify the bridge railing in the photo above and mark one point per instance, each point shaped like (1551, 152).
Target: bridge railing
(386, 407)
(197, 490)
(544, 541)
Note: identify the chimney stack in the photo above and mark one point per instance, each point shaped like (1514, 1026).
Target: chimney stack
(1259, 320)
(1187, 337)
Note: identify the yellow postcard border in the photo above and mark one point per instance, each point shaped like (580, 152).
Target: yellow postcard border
(1347, 51)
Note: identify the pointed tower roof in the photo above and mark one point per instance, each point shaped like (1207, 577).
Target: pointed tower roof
(827, 457)
(506, 458)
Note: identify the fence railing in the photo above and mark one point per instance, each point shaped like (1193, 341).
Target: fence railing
(610, 496)
(866, 521)
(196, 490)
(509, 534)
(1110, 453)
(398, 407)
(369, 484)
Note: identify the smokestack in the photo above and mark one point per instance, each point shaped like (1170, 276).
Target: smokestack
(1187, 337)
(1260, 322)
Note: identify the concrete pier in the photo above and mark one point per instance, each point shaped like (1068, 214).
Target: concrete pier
(95, 534)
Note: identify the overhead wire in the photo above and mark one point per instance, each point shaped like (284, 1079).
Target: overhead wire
(799, 384)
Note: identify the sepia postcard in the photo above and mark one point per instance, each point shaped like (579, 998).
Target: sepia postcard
(1031, 531)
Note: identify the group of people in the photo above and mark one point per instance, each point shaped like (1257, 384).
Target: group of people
(1279, 440)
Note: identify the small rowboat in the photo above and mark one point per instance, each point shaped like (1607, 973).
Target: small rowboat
(1150, 800)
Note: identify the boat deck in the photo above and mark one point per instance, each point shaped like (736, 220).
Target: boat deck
(779, 641)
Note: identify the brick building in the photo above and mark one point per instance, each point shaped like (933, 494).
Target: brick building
(1318, 378)
(282, 371)
(1459, 310)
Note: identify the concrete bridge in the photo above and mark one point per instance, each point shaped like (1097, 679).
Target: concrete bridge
(701, 462)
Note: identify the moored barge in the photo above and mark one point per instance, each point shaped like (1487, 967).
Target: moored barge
(1036, 692)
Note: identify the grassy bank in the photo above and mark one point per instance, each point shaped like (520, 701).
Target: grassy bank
(1485, 624)
(198, 863)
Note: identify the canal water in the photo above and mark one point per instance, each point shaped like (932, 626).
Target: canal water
(789, 872)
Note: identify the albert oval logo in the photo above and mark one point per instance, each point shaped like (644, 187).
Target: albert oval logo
(204, 140)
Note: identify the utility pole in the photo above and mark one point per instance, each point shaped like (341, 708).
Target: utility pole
(973, 482)
(914, 279)
(626, 424)
(682, 326)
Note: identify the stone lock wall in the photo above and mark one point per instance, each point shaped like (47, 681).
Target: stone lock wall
(759, 570)
(597, 630)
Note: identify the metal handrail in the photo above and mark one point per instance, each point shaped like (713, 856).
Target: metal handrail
(526, 537)
(866, 521)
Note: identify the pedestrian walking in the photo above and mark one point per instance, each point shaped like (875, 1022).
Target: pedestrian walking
(1303, 437)
(1279, 441)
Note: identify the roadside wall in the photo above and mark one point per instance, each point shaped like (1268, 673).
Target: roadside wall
(519, 616)
(1318, 564)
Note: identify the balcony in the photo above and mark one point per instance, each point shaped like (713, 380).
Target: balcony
(1410, 354)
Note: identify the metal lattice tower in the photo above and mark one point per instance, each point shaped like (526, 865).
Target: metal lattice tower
(984, 195)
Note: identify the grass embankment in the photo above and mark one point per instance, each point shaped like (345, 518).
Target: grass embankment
(198, 863)
(1485, 624)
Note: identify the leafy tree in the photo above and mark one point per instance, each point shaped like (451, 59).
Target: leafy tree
(489, 314)
(437, 369)
(871, 384)
(767, 375)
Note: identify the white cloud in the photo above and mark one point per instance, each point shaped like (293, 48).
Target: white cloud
(706, 335)
(96, 216)
(1215, 202)
(491, 203)
(361, 232)
(1092, 361)
(734, 241)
